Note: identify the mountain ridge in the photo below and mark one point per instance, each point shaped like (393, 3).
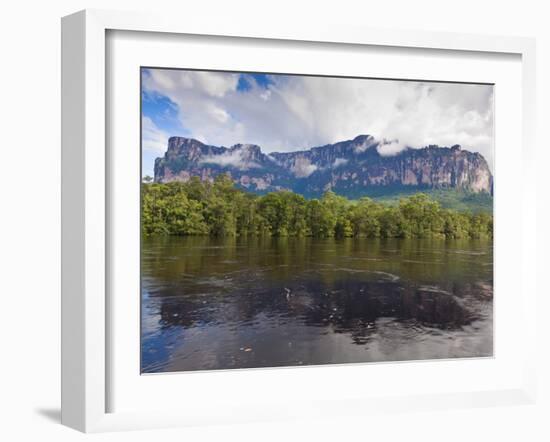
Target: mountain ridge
(351, 167)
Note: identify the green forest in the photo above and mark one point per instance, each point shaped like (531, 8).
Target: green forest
(219, 209)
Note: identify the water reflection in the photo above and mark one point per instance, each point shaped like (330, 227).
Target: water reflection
(235, 303)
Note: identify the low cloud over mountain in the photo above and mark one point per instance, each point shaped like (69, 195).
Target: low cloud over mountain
(352, 168)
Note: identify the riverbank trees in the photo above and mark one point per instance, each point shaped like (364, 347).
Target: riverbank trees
(220, 209)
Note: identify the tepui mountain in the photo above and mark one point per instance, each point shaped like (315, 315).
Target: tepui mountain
(352, 168)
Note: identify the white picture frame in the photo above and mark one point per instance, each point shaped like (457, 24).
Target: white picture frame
(86, 203)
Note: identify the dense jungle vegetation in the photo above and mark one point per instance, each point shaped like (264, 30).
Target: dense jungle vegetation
(220, 209)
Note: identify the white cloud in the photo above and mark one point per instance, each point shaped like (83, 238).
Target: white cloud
(368, 142)
(390, 148)
(302, 167)
(297, 112)
(218, 114)
(154, 140)
(216, 84)
(234, 158)
(339, 162)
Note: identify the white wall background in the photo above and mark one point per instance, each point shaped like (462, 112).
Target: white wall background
(30, 214)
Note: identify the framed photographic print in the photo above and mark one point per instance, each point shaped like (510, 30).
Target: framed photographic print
(361, 249)
(249, 214)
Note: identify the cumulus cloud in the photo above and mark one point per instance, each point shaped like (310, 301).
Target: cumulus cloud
(298, 112)
(154, 140)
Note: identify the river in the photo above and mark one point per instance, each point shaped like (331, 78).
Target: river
(212, 303)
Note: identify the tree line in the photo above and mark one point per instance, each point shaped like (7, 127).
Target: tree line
(219, 209)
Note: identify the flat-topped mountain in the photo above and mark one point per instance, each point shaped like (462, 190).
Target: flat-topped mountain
(352, 168)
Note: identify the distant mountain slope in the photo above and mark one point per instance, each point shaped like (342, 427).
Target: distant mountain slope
(459, 200)
(353, 168)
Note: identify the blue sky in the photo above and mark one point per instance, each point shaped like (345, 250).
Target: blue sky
(164, 117)
(245, 82)
(161, 115)
(287, 112)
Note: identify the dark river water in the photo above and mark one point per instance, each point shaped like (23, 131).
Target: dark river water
(239, 303)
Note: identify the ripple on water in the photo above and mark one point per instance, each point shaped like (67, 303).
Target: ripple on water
(388, 275)
(469, 252)
(200, 311)
(434, 289)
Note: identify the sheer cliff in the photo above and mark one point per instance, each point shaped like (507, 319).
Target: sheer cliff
(352, 168)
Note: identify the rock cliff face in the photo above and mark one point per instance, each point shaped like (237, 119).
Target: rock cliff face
(352, 168)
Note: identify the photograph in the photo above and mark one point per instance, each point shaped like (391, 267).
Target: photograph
(301, 220)
(226, 221)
